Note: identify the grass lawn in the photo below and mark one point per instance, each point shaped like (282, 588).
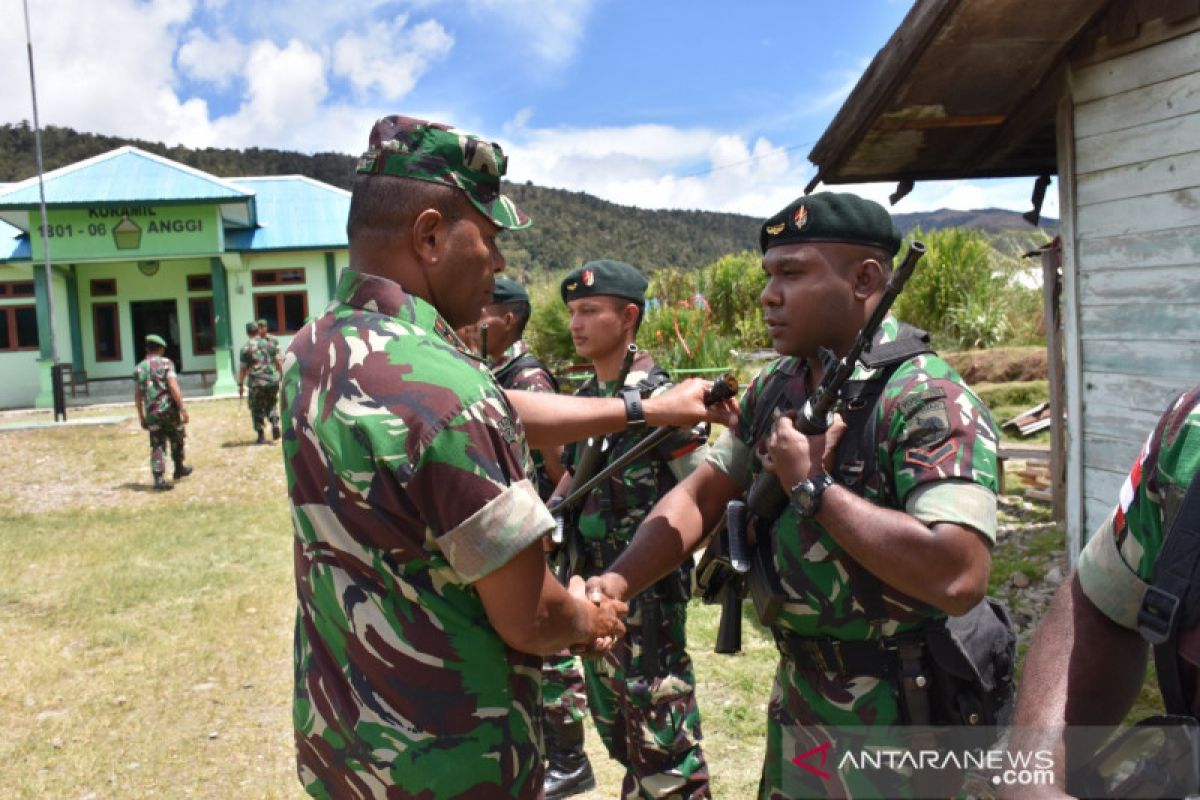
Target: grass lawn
(147, 636)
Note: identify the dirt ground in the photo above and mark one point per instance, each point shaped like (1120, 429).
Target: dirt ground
(999, 364)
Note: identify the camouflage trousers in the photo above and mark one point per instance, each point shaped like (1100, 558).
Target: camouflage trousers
(650, 725)
(810, 708)
(164, 431)
(564, 697)
(262, 404)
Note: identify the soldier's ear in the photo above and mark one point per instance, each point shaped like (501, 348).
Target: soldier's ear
(869, 277)
(429, 236)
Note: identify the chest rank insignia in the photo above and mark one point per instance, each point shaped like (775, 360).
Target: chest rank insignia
(588, 277)
(775, 230)
(800, 217)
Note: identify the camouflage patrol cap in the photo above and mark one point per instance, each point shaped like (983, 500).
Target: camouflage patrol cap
(251, 327)
(154, 338)
(430, 151)
(605, 277)
(262, 323)
(509, 291)
(831, 217)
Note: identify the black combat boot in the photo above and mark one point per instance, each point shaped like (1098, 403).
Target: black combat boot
(160, 484)
(275, 431)
(568, 772)
(181, 471)
(262, 439)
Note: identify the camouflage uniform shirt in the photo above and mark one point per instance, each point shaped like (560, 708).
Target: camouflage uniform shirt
(532, 378)
(408, 480)
(258, 356)
(152, 375)
(1117, 564)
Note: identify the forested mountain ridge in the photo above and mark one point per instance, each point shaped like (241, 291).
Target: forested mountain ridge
(569, 227)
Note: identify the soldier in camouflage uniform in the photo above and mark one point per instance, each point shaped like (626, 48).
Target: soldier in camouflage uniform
(264, 333)
(160, 410)
(869, 548)
(517, 368)
(564, 701)
(643, 703)
(261, 367)
(425, 603)
(1093, 619)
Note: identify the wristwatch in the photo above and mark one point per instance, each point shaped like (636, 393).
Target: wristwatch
(634, 416)
(806, 495)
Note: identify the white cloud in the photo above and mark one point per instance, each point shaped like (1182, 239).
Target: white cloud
(216, 61)
(388, 59)
(553, 30)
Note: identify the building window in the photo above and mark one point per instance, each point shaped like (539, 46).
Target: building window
(203, 330)
(199, 283)
(276, 277)
(18, 328)
(284, 312)
(16, 289)
(107, 325)
(104, 287)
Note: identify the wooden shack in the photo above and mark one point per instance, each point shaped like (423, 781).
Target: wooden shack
(1105, 94)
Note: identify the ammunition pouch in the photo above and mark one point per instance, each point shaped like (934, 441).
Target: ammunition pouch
(951, 671)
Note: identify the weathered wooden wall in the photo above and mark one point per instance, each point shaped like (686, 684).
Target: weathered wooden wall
(1134, 253)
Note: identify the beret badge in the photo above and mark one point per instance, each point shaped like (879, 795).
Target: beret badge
(588, 277)
(800, 217)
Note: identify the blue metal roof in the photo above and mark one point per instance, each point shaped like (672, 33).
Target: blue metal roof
(124, 175)
(294, 212)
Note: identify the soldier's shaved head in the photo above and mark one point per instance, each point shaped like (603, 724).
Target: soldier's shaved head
(386, 205)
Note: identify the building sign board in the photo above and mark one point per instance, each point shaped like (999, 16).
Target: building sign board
(133, 232)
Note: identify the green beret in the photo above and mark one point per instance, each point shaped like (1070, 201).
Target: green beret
(605, 277)
(430, 151)
(509, 291)
(154, 338)
(831, 217)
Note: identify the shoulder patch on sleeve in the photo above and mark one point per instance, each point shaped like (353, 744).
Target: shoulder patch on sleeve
(926, 426)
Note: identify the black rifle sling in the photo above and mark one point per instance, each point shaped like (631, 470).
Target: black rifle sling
(857, 453)
(1171, 603)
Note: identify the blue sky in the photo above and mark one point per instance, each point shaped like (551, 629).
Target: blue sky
(669, 104)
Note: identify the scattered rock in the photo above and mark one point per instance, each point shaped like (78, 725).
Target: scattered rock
(1019, 580)
(120, 700)
(214, 735)
(207, 686)
(1054, 576)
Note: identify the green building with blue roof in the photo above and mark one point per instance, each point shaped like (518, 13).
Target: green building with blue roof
(141, 244)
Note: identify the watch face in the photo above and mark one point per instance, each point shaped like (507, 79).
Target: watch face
(802, 498)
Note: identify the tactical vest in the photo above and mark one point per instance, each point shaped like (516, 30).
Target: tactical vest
(506, 374)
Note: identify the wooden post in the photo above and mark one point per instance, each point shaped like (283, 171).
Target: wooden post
(1052, 311)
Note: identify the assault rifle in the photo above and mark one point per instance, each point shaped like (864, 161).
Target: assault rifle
(587, 467)
(766, 500)
(589, 475)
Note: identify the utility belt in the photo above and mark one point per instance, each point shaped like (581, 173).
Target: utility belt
(878, 658)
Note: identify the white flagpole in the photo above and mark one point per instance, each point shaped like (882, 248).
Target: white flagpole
(37, 139)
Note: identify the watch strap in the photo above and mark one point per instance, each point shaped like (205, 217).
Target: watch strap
(635, 417)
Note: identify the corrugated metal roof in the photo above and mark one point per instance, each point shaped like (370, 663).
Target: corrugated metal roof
(124, 175)
(294, 212)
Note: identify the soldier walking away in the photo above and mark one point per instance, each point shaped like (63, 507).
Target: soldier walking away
(161, 410)
(1138, 563)
(880, 541)
(261, 367)
(425, 603)
(642, 696)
